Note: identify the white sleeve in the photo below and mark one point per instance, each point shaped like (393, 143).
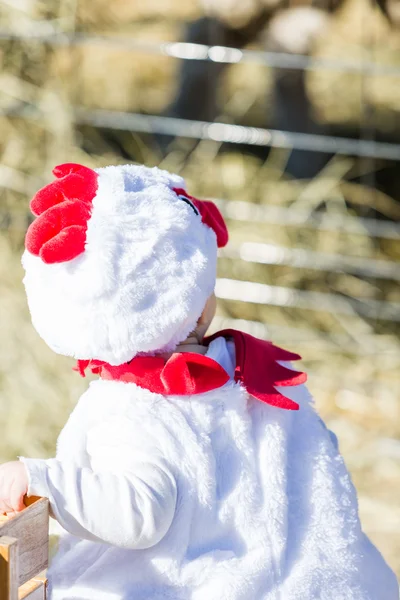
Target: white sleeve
(126, 498)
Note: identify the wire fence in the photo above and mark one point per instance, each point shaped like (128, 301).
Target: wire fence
(300, 258)
(261, 293)
(248, 252)
(192, 51)
(363, 345)
(220, 132)
(235, 134)
(238, 210)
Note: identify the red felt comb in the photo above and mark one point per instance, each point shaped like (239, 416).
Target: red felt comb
(63, 209)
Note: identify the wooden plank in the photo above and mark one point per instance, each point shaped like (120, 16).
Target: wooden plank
(8, 568)
(35, 589)
(30, 527)
(27, 502)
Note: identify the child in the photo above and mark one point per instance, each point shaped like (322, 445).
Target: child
(194, 468)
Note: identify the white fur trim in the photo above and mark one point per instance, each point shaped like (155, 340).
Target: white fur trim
(143, 280)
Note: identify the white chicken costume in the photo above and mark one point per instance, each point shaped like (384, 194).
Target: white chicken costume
(184, 478)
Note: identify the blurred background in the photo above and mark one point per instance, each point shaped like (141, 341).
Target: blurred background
(285, 113)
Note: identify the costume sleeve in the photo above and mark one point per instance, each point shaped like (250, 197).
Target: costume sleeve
(126, 498)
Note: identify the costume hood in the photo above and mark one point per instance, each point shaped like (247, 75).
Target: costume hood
(119, 261)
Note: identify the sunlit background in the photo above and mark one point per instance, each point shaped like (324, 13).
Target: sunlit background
(288, 115)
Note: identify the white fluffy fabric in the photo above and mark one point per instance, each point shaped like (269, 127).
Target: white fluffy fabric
(143, 280)
(263, 506)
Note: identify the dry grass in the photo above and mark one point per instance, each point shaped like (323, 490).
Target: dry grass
(353, 363)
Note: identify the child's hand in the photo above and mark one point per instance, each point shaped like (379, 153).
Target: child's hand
(13, 487)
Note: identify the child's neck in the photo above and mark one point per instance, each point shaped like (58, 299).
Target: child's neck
(193, 343)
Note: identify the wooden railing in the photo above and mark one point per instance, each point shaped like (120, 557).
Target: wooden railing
(24, 543)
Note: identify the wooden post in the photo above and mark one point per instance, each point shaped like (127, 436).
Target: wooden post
(9, 571)
(30, 528)
(24, 552)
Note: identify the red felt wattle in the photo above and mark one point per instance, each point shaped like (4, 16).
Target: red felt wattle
(210, 215)
(63, 209)
(187, 373)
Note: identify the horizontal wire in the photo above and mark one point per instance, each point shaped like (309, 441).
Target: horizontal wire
(192, 51)
(280, 215)
(336, 342)
(300, 258)
(221, 132)
(261, 293)
(235, 134)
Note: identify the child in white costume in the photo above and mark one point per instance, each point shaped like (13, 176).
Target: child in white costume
(193, 468)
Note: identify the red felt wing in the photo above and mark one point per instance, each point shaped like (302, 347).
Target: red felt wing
(258, 369)
(262, 373)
